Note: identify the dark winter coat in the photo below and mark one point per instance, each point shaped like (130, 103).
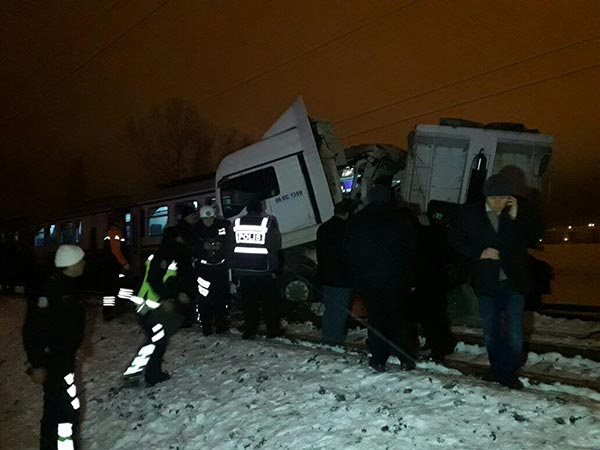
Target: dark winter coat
(380, 247)
(331, 268)
(219, 231)
(169, 252)
(55, 323)
(473, 232)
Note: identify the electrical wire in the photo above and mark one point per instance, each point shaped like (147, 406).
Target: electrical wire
(76, 36)
(474, 100)
(307, 52)
(470, 78)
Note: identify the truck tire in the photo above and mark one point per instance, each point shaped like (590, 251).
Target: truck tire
(299, 284)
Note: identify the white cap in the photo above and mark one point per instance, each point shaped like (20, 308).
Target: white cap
(207, 211)
(68, 255)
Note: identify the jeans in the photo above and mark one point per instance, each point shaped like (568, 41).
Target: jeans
(337, 304)
(502, 318)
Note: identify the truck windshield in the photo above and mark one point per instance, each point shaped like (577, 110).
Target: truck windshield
(237, 192)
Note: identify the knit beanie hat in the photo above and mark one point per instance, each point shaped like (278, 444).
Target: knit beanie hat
(68, 255)
(497, 185)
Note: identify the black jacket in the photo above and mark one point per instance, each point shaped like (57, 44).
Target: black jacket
(472, 232)
(331, 268)
(55, 323)
(380, 247)
(220, 232)
(170, 252)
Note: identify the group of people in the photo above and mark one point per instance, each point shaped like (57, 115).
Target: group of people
(185, 281)
(396, 262)
(387, 255)
(392, 261)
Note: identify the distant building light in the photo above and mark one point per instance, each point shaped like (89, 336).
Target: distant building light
(570, 227)
(591, 225)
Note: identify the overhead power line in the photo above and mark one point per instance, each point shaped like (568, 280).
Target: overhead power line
(79, 35)
(474, 100)
(464, 80)
(307, 52)
(104, 48)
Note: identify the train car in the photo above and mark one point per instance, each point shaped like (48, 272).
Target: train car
(145, 218)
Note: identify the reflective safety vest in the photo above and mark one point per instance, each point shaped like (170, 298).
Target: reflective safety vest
(147, 299)
(250, 252)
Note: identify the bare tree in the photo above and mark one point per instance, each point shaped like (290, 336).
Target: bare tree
(174, 142)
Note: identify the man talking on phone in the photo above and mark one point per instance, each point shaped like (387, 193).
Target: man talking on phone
(494, 236)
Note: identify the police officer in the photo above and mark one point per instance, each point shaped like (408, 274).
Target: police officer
(116, 266)
(52, 333)
(162, 301)
(212, 270)
(255, 261)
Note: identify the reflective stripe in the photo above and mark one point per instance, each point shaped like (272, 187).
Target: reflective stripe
(75, 404)
(107, 238)
(254, 234)
(137, 300)
(253, 250)
(141, 359)
(150, 258)
(108, 301)
(70, 378)
(203, 291)
(65, 436)
(121, 275)
(122, 240)
(72, 391)
(125, 293)
(117, 238)
(172, 266)
(156, 327)
(206, 263)
(152, 304)
(204, 283)
(158, 336)
(222, 231)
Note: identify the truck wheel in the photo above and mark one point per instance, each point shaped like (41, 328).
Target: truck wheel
(298, 289)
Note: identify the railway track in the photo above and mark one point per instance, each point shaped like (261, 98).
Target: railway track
(477, 365)
(544, 341)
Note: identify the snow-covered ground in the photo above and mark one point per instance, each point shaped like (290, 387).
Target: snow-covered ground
(232, 394)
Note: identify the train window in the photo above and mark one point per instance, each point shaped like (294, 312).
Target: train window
(67, 233)
(52, 233)
(40, 237)
(237, 192)
(128, 227)
(158, 218)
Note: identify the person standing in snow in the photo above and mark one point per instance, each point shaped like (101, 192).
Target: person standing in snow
(212, 268)
(116, 266)
(379, 250)
(333, 275)
(52, 333)
(256, 262)
(165, 295)
(494, 236)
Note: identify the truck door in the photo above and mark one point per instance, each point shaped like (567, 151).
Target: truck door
(283, 184)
